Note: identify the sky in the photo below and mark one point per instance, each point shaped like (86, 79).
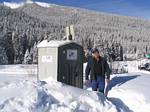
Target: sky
(137, 8)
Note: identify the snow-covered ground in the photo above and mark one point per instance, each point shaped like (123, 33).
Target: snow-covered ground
(20, 92)
(18, 69)
(130, 91)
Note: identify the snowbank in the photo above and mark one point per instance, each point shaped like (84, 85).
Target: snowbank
(130, 90)
(22, 93)
(50, 96)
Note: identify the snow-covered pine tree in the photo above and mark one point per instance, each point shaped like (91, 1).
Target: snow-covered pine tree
(35, 54)
(3, 56)
(27, 57)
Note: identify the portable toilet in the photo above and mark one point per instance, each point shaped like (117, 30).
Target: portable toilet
(61, 60)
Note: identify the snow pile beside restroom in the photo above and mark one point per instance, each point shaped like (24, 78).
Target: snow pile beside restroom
(50, 96)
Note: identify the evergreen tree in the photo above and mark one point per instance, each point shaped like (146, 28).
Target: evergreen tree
(3, 56)
(27, 57)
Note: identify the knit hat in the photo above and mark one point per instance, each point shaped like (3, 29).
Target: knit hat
(94, 50)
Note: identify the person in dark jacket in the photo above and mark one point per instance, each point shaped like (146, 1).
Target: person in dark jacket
(99, 71)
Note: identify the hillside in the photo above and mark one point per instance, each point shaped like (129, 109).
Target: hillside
(41, 20)
(20, 33)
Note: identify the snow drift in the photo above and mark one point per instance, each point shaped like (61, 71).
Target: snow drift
(50, 96)
(20, 92)
(130, 91)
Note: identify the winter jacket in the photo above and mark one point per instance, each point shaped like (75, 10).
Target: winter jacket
(105, 70)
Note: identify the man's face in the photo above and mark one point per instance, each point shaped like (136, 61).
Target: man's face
(96, 55)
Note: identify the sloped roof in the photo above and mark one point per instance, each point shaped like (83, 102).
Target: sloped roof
(53, 43)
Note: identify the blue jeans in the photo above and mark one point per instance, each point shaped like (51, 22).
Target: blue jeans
(98, 84)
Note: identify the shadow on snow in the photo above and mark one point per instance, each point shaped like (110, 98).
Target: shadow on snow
(120, 106)
(118, 81)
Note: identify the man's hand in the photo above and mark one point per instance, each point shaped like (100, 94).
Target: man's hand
(107, 87)
(86, 82)
(107, 81)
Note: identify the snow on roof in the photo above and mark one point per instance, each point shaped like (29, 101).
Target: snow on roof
(53, 43)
